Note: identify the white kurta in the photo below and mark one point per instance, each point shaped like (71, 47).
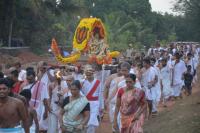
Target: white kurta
(94, 105)
(156, 90)
(177, 73)
(166, 81)
(147, 77)
(43, 124)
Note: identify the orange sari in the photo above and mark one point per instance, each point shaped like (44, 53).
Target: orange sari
(131, 102)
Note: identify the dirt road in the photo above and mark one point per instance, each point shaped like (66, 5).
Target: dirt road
(182, 116)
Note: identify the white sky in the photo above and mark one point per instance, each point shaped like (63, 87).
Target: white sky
(162, 5)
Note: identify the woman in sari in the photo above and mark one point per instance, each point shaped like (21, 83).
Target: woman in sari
(76, 111)
(132, 107)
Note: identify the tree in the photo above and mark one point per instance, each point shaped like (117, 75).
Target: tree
(191, 18)
(126, 21)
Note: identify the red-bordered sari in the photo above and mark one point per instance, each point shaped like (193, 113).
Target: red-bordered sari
(131, 102)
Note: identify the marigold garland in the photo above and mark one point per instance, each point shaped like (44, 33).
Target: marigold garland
(84, 32)
(87, 28)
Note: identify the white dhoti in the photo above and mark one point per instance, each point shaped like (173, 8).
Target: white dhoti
(155, 98)
(167, 89)
(93, 122)
(148, 94)
(111, 115)
(177, 72)
(153, 93)
(177, 89)
(43, 124)
(94, 112)
(53, 123)
(111, 111)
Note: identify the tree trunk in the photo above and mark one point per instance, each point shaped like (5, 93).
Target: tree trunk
(10, 33)
(12, 16)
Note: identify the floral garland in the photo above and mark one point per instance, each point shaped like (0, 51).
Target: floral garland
(84, 41)
(70, 59)
(84, 32)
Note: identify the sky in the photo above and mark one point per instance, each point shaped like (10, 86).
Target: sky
(162, 5)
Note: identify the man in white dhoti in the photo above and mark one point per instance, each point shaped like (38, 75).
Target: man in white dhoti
(30, 77)
(156, 90)
(40, 95)
(166, 78)
(148, 81)
(55, 94)
(92, 90)
(39, 98)
(193, 62)
(108, 85)
(111, 101)
(116, 84)
(178, 69)
(101, 75)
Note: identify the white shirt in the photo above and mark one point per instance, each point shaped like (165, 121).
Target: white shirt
(148, 76)
(166, 73)
(178, 71)
(87, 86)
(22, 75)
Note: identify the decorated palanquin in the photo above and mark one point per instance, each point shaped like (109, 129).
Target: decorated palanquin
(90, 40)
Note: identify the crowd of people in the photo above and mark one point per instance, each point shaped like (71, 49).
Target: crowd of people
(74, 98)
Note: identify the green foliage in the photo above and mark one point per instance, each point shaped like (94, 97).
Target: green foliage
(189, 23)
(126, 21)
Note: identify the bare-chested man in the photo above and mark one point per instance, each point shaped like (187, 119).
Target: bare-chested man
(12, 111)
